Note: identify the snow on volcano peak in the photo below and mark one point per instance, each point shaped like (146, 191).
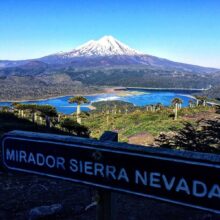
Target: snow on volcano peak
(105, 46)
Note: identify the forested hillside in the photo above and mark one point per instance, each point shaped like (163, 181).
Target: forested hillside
(39, 80)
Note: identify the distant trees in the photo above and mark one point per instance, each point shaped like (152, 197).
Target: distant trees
(177, 103)
(5, 108)
(201, 100)
(51, 116)
(204, 100)
(45, 111)
(79, 100)
(191, 102)
(30, 108)
(113, 107)
(48, 112)
(33, 109)
(159, 106)
(197, 100)
(20, 108)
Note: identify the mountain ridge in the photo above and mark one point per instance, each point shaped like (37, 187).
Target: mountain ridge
(108, 51)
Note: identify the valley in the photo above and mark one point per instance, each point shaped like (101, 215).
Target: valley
(15, 85)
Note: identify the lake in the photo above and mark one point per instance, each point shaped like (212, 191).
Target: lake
(138, 97)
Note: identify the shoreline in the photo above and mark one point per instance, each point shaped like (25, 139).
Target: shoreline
(105, 90)
(189, 96)
(171, 89)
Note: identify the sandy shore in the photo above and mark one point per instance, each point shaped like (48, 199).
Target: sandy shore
(189, 96)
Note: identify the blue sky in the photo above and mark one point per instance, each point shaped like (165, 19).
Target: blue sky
(180, 30)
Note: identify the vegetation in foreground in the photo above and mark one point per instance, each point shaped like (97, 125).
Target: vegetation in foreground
(150, 119)
(38, 119)
(30, 192)
(148, 125)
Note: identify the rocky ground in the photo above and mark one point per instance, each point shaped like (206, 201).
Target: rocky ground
(144, 138)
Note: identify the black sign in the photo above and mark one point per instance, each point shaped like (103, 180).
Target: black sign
(185, 178)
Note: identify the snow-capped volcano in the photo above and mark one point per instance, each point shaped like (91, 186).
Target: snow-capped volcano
(106, 52)
(105, 46)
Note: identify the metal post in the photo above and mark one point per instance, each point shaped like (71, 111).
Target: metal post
(106, 199)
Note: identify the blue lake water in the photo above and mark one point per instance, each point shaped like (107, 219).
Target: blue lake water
(138, 97)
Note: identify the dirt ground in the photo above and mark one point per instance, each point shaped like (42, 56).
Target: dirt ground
(207, 115)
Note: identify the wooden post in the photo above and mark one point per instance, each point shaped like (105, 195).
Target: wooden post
(106, 199)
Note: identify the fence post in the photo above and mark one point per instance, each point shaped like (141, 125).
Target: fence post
(106, 199)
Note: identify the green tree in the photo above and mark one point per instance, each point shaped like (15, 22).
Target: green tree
(20, 108)
(5, 108)
(79, 100)
(14, 104)
(198, 100)
(176, 102)
(32, 108)
(159, 106)
(204, 100)
(203, 136)
(201, 100)
(48, 112)
(191, 103)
